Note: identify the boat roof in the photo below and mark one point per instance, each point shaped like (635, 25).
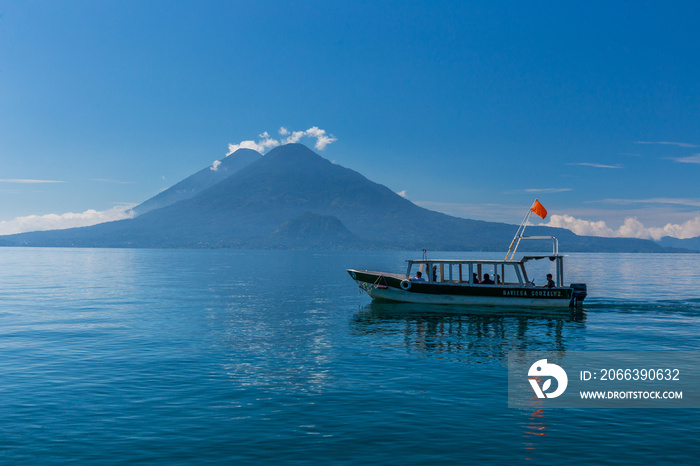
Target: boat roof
(524, 259)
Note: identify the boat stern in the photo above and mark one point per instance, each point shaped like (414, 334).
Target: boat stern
(579, 293)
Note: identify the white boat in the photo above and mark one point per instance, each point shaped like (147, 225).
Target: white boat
(476, 282)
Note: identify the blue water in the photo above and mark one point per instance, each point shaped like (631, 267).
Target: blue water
(187, 356)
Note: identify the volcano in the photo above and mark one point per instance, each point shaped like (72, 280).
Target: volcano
(294, 198)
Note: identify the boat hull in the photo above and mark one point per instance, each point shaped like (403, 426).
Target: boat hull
(389, 287)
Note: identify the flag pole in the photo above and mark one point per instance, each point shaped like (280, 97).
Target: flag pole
(519, 234)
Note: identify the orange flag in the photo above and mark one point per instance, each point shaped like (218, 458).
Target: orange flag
(539, 209)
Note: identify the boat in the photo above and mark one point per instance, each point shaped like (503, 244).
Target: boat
(477, 282)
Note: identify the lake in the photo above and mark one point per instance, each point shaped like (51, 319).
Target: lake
(111, 356)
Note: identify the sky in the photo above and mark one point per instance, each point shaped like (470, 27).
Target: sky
(472, 108)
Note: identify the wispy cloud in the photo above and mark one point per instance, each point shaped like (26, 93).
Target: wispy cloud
(631, 228)
(690, 159)
(402, 193)
(63, 221)
(666, 143)
(547, 190)
(24, 181)
(595, 165)
(655, 200)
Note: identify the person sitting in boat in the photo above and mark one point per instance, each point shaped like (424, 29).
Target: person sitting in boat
(418, 277)
(550, 282)
(487, 280)
(475, 279)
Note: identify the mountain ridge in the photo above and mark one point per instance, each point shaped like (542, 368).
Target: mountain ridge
(292, 194)
(198, 182)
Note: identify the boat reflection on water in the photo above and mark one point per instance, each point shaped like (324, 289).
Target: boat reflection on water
(483, 333)
(480, 337)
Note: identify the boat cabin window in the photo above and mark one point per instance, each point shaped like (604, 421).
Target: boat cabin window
(469, 273)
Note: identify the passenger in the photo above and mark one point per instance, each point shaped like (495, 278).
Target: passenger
(418, 277)
(475, 279)
(550, 282)
(487, 280)
(434, 273)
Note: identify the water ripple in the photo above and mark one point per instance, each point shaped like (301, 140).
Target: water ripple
(180, 357)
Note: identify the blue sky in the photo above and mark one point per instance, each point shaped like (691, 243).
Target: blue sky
(471, 108)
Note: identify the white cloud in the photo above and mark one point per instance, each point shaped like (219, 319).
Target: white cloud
(666, 143)
(595, 165)
(261, 146)
(266, 142)
(579, 226)
(322, 138)
(22, 181)
(690, 159)
(215, 165)
(688, 229)
(656, 200)
(294, 137)
(402, 193)
(547, 190)
(63, 221)
(631, 228)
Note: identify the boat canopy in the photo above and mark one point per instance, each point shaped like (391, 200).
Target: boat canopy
(458, 271)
